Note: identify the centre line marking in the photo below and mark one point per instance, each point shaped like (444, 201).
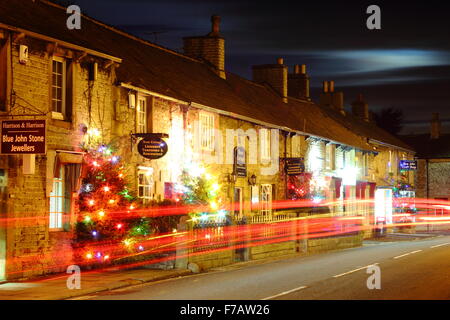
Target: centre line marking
(406, 254)
(440, 245)
(284, 293)
(343, 274)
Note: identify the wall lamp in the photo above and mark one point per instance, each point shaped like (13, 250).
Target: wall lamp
(252, 180)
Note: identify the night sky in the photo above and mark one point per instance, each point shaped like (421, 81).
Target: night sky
(404, 65)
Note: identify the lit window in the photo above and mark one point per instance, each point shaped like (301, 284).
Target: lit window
(206, 131)
(295, 146)
(141, 115)
(264, 135)
(57, 201)
(266, 199)
(58, 85)
(145, 182)
(330, 157)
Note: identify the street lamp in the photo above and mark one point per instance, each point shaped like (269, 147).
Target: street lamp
(232, 178)
(252, 180)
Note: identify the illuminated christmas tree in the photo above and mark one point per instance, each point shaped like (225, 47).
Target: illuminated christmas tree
(106, 220)
(201, 190)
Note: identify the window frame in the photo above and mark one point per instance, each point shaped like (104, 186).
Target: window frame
(265, 147)
(207, 131)
(58, 187)
(60, 115)
(265, 204)
(148, 172)
(330, 156)
(141, 127)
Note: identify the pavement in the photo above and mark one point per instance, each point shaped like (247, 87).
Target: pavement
(408, 269)
(55, 288)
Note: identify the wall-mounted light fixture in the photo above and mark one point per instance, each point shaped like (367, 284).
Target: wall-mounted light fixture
(232, 178)
(252, 180)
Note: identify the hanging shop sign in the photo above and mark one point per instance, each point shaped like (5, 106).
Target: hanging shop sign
(23, 137)
(240, 166)
(152, 148)
(408, 165)
(295, 166)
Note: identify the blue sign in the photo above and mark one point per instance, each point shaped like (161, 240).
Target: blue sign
(408, 165)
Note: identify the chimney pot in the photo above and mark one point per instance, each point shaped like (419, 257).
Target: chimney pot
(325, 86)
(303, 68)
(215, 24)
(331, 86)
(435, 126)
(280, 61)
(296, 69)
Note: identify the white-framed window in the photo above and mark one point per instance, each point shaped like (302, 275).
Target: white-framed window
(365, 165)
(59, 85)
(141, 115)
(145, 183)
(266, 199)
(206, 131)
(264, 143)
(57, 202)
(330, 156)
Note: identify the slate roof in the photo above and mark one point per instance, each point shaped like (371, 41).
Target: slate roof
(169, 73)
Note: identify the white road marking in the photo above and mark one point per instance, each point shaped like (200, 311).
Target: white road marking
(440, 245)
(406, 254)
(284, 293)
(343, 274)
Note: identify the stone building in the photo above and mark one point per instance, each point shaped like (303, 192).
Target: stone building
(433, 162)
(99, 83)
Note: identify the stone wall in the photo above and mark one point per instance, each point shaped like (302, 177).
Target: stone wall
(433, 179)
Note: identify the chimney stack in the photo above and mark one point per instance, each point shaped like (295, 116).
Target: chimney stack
(275, 75)
(360, 108)
(298, 83)
(331, 99)
(435, 126)
(210, 47)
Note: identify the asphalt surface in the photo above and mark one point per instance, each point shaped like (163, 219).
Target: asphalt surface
(418, 269)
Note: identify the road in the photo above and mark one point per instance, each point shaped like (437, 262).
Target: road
(417, 269)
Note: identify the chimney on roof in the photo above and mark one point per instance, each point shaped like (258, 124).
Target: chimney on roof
(360, 108)
(435, 126)
(275, 75)
(331, 99)
(210, 47)
(298, 83)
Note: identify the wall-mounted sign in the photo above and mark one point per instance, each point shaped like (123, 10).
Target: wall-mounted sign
(23, 137)
(152, 148)
(240, 166)
(408, 165)
(295, 166)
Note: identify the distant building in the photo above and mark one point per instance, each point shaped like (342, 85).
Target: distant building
(433, 157)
